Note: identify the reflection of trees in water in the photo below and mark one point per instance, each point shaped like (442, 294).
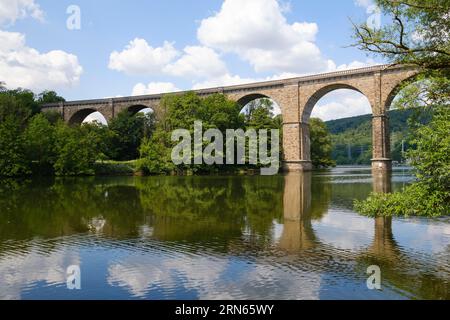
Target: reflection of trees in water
(183, 208)
(64, 207)
(321, 194)
(344, 194)
(211, 207)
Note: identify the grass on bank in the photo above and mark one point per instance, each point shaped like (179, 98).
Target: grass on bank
(125, 168)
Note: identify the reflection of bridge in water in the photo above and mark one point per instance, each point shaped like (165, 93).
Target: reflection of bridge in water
(299, 240)
(298, 232)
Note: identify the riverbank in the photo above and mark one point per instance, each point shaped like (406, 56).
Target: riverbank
(116, 168)
(132, 168)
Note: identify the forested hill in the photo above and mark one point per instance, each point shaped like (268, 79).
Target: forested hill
(352, 137)
(398, 121)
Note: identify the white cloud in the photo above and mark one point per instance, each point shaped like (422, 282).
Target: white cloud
(364, 3)
(345, 231)
(96, 117)
(12, 10)
(228, 79)
(22, 66)
(356, 65)
(207, 277)
(224, 80)
(258, 32)
(341, 104)
(197, 62)
(139, 57)
(33, 267)
(154, 88)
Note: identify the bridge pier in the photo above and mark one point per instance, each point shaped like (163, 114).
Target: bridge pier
(298, 233)
(296, 147)
(381, 161)
(297, 166)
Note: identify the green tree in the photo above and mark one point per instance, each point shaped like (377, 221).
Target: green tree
(258, 114)
(129, 132)
(13, 160)
(182, 111)
(419, 30)
(76, 151)
(25, 98)
(52, 116)
(215, 112)
(321, 146)
(419, 36)
(49, 97)
(430, 195)
(155, 154)
(222, 113)
(40, 141)
(103, 137)
(12, 106)
(13, 119)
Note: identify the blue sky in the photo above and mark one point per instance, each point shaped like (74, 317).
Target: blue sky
(138, 47)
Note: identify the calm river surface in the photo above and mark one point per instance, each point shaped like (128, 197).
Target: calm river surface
(282, 237)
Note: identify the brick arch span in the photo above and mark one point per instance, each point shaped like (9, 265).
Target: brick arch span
(321, 92)
(78, 117)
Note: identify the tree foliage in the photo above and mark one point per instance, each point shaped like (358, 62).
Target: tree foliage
(33, 142)
(321, 146)
(39, 140)
(49, 97)
(155, 154)
(430, 194)
(128, 132)
(418, 35)
(215, 112)
(418, 30)
(76, 150)
(13, 161)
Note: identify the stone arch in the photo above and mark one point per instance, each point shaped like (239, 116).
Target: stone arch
(247, 98)
(312, 95)
(78, 117)
(135, 109)
(243, 101)
(394, 90)
(320, 93)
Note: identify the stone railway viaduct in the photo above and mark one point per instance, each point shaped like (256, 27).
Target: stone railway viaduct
(296, 98)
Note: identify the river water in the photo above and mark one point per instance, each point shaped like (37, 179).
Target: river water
(244, 237)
